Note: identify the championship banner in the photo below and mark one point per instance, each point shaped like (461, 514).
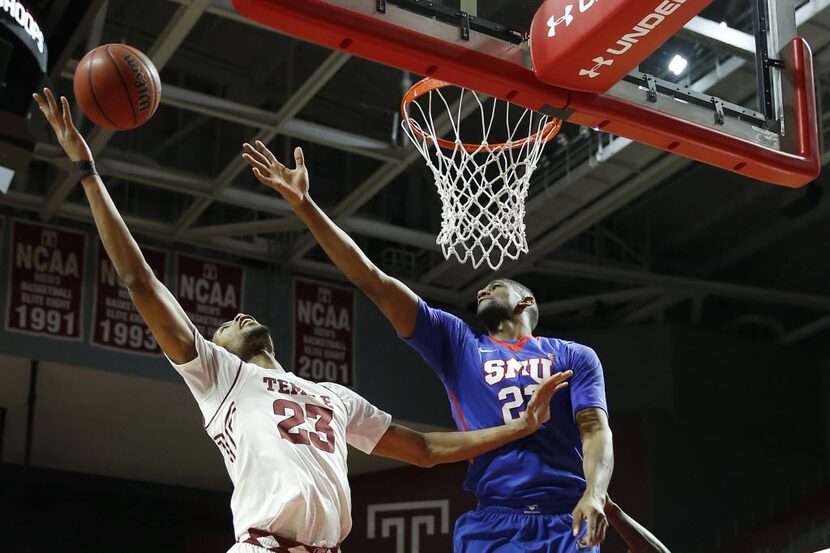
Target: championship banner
(116, 322)
(209, 292)
(46, 280)
(323, 332)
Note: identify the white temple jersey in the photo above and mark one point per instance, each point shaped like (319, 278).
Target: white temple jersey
(283, 439)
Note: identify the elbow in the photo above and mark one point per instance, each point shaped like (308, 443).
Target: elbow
(427, 461)
(427, 456)
(139, 278)
(370, 280)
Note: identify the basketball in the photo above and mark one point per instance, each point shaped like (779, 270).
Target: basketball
(117, 87)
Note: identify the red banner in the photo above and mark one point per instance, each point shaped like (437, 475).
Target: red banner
(323, 332)
(116, 321)
(46, 281)
(209, 292)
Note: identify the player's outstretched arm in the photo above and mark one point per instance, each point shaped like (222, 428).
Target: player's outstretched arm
(638, 539)
(162, 313)
(433, 448)
(397, 302)
(598, 464)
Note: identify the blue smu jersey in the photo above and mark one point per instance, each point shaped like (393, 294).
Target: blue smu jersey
(489, 383)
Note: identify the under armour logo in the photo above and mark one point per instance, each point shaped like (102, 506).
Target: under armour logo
(553, 22)
(594, 71)
(532, 510)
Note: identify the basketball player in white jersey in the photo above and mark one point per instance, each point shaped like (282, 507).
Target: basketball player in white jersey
(283, 438)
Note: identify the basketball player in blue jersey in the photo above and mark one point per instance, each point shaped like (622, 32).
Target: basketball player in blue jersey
(544, 493)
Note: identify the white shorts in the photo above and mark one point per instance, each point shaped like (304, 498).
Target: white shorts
(250, 548)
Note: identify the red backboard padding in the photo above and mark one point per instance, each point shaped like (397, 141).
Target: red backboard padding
(589, 45)
(366, 36)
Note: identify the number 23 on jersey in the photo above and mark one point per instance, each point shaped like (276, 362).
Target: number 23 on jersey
(296, 428)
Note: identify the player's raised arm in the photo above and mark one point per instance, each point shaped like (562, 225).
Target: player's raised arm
(432, 448)
(160, 310)
(397, 302)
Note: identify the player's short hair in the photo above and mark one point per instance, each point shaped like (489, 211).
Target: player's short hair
(524, 291)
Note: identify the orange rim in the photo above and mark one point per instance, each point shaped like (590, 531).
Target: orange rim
(429, 84)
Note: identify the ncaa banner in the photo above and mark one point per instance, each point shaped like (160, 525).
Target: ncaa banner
(46, 280)
(117, 324)
(323, 332)
(209, 292)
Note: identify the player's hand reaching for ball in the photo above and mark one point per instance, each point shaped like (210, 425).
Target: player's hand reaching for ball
(538, 408)
(61, 121)
(292, 184)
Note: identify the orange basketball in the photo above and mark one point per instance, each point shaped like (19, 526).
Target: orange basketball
(117, 87)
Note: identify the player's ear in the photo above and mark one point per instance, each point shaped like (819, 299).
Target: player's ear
(524, 303)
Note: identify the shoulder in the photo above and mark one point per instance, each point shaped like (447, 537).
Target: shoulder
(209, 357)
(206, 348)
(345, 395)
(580, 350)
(573, 352)
(441, 314)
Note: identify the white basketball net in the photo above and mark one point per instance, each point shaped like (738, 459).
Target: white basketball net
(483, 191)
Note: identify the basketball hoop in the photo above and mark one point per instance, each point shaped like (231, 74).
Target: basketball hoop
(482, 186)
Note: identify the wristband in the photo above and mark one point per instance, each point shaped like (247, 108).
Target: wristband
(86, 168)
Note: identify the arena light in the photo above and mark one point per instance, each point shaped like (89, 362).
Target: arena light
(6, 176)
(724, 25)
(678, 64)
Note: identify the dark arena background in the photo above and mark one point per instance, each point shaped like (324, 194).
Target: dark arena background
(705, 294)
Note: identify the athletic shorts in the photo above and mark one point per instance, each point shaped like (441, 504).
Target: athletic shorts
(509, 530)
(260, 541)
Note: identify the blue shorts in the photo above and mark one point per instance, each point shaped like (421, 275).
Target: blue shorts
(510, 530)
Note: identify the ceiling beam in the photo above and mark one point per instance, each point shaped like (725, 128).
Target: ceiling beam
(152, 229)
(690, 286)
(720, 37)
(378, 180)
(262, 226)
(757, 241)
(684, 234)
(741, 251)
(569, 305)
(160, 52)
(253, 117)
(809, 10)
(655, 308)
(250, 116)
(324, 72)
(197, 186)
(328, 270)
(803, 332)
(354, 224)
(81, 32)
